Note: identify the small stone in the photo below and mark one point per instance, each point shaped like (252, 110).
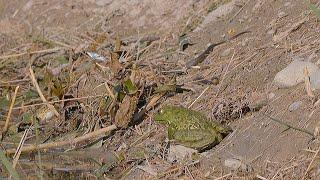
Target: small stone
(103, 2)
(271, 96)
(258, 101)
(226, 52)
(287, 4)
(44, 114)
(293, 74)
(281, 14)
(294, 106)
(180, 153)
(271, 32)
(238, 164)
(315, 80)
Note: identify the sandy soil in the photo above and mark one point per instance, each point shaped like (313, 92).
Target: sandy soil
(245, 67)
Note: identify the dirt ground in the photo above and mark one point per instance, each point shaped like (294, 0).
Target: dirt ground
(39, 33)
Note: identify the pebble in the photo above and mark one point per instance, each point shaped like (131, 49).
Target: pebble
(103, 2)
(271, 32)
(180, 153)
(294, 106)
(282, 14)
(238, 164)
(315, 80)
(44, 114)
(293, 74)
(271, 96)
(287, 4)
(226, 52)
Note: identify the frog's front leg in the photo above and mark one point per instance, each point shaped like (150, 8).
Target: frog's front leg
(171, 132)
(197, 138)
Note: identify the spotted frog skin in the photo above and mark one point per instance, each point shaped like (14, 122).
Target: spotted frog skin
(191, 128)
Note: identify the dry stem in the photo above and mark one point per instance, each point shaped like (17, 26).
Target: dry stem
(66, 142)
(6, 126)
(36, 85)
(32, 52)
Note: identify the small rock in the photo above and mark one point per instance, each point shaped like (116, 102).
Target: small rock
(293, 74)
(238, 164)
(287, 4)
(315, 80)
(271, 32)
(180, 153)
(294, 106)
(103, 2)
(282, 14)
(244, 42)
(44, 114)
(271, 96)
(258, 101)
(226, 52)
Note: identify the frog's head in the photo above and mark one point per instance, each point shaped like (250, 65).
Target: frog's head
(224, 130)
(164, 115)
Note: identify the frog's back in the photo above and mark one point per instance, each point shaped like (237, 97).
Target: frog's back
(189, 119)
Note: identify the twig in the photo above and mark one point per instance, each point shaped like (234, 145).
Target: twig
(66, 142)
(31, 53)
(202, 56)
(224, 176)
(36, 85)
(313, 158)
(225, 73)
(231, 19)
(57, 101)
(290, 126)
(307, 83)
(6, 125)
(18, 151)
(206, 89)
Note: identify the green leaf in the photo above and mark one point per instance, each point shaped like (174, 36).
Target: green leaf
(30, 94)
(4, 103)
(170, 86)
(27, 118)
(130, 87)
(62, 60)
(314, 9)
(6, 163)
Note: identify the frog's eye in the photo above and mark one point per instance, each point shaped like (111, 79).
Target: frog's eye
(161, 111)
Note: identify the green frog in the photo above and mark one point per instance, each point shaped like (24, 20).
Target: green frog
(191, 128)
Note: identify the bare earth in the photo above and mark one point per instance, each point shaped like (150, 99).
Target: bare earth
(244, 66)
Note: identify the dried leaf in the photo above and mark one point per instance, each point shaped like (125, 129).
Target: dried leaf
(307, 83)
(98, 40)
(117, 46)
(115, 65)
(282, 35)
(125, 111)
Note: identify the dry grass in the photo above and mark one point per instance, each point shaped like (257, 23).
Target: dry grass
(89, 97)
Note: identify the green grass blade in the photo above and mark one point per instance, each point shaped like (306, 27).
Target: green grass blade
(8, 166)
(314, 9)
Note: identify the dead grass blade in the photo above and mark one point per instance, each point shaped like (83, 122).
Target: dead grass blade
(307, 83)
(6, 163)
(6, 126)
(18, 151)
(33, 52)
(295, 26)
(66, 142)
(36, 85)
(313, 158)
